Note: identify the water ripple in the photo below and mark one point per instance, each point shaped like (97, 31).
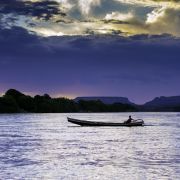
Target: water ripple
(46, 146)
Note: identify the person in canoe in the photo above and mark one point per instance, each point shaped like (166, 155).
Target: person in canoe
(129, 120)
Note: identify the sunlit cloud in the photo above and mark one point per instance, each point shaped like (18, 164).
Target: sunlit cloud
(151, 3)
(119, 16)
(86, 5)
(164, 20)
(84, 17)
(48, 32)
(155, 15)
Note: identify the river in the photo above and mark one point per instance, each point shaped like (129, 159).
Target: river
(46, 146)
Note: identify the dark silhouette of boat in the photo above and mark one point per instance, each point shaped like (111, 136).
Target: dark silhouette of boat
(138, 122)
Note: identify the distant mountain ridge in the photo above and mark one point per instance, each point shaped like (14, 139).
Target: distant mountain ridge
(164, 101)
(106, 100)
(161, 101)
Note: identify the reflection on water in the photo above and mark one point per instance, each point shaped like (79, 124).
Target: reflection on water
(46, 146)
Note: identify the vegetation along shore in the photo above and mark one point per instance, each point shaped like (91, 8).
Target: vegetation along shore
(14, 101)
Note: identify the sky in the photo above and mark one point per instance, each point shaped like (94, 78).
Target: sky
(128, 48)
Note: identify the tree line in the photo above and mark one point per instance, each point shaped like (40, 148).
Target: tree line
(16, 102)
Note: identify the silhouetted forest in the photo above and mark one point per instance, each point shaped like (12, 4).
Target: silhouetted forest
(16, 102)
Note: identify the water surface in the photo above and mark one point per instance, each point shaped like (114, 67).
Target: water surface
(46, 146)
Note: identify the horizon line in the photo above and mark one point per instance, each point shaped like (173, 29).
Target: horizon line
(88, 96)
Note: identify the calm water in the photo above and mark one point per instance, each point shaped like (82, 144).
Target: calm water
(46, 146)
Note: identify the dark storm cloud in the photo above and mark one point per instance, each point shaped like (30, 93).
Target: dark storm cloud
(22, 42)
(19, 42)
(137, 67)
(40, 9)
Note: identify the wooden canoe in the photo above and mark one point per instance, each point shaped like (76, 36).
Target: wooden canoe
(95, 123)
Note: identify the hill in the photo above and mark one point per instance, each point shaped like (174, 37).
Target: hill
(163, 103)
(105, 100)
